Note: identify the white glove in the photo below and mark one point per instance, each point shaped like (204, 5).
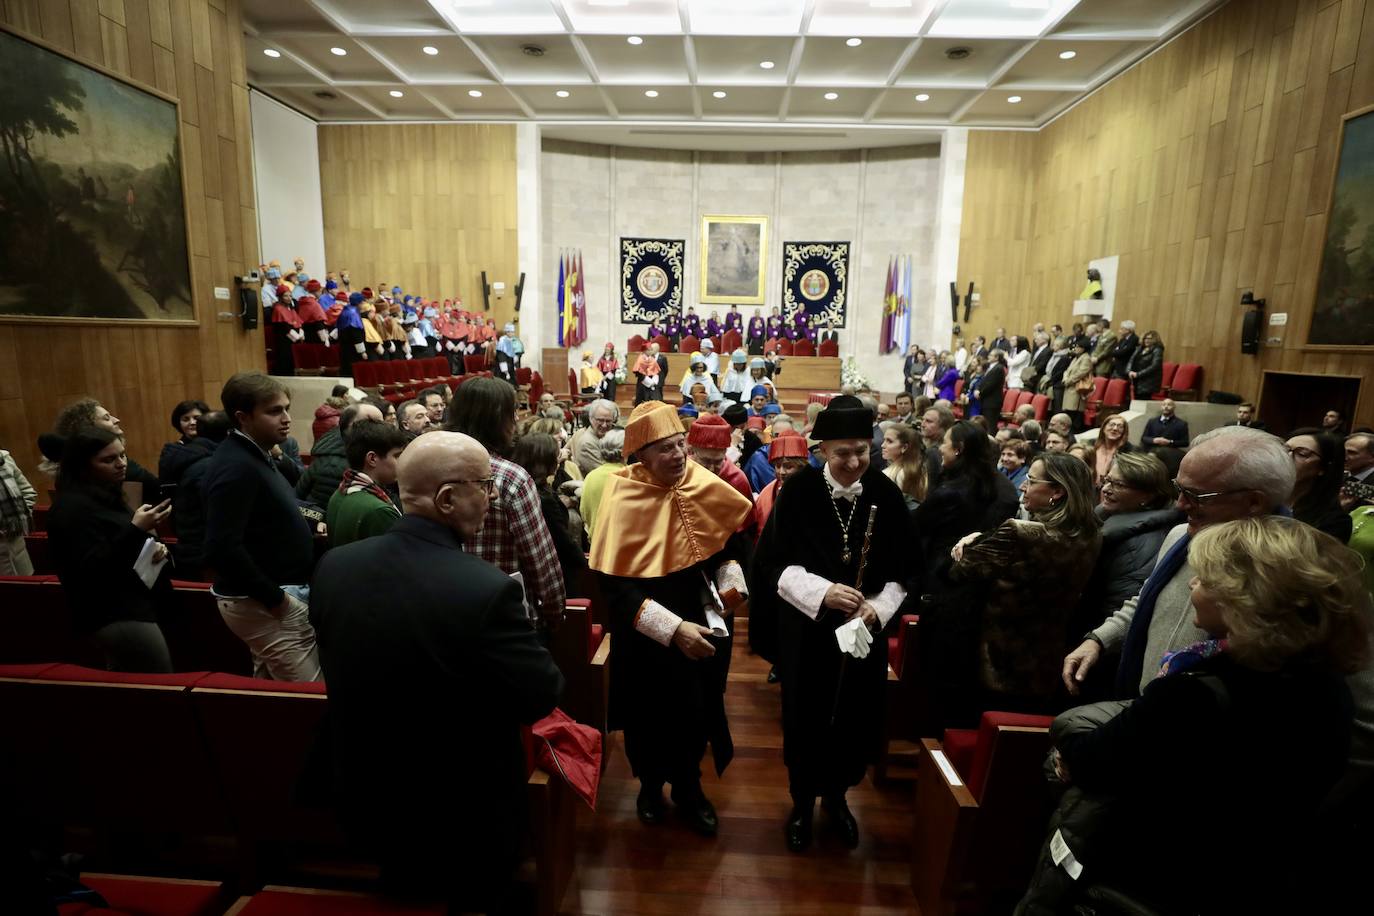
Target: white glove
(334, 334)
(854, 638)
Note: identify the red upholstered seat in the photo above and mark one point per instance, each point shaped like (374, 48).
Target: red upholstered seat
(771, 343)
(284, 901)
(222, 681)
(1166, 381)
(689, 344)
(664, 344)
(129, 895)
(958, 392)
(536, 387)
(977, 772)
(716, 342)
(475, 363)
(40, 517)
(829, 348)
(1117, 395)
(79, 674)
(804, 348)
(1009, 401)
(36, 543)
(197, 636)
(730, 341)
(35, 623)
(1094, 402)
(959, 745)
(1025, 397)
(364, 374)
(1187, 382)
(635, 344)
(786, 348)
(1041, 403)
(523, 375)
(25, 672)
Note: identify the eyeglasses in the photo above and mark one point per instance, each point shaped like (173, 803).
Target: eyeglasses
(486, 483)
(1030, 480)
(1193, 497)
(1117, 483)
(1299, 452)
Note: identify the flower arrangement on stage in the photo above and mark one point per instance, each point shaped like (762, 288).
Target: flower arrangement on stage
(851, 377)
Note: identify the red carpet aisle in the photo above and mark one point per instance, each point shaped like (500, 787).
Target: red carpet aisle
(624, 867)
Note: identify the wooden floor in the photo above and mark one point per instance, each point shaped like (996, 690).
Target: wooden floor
(626, 867)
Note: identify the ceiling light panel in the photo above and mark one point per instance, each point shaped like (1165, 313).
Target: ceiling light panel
(581, 102)
(661, 59)
(900, 105)
(640, 17)
(499, 16)
(391, 16)
(999, 18)
(265, 69)
(672, 102)
(932, 64)
(558, 62)
(751, 17)
(411, 104)
(861, 17)
(754, 103)
(813, 104)
(1041, 66)
(455, 62)
(994, 107)
(276, 16)
(1133, 18)
(339, 108)
(496, 101)
(356, 65)
(829, 61)
(724, 60)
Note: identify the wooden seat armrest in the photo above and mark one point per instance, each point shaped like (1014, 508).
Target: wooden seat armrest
(943, 825)
(603, 651)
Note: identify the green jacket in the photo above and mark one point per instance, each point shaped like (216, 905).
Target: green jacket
(328, 461)
(354, 516)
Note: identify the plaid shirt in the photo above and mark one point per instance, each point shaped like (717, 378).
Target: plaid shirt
(17, 498)
(514, 537)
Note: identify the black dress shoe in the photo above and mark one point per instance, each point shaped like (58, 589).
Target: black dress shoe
(798, 829)
(843, 821)
(699, 814)
(649, 805)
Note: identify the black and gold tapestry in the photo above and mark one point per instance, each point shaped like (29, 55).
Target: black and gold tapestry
(814, 276)
(650, 279)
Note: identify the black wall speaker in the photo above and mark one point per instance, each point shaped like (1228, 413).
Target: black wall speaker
(953, 302)
(1250, 330)
(486, 293)
(519, 290)
(249, 301)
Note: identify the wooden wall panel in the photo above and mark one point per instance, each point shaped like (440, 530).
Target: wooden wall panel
(426, 207)
(1206, 167)
(193, 50)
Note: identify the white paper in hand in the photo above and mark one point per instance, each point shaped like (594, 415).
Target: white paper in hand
(146, 567)
(716, 623)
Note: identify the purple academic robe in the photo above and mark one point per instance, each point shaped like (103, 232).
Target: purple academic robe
(813, 335)
(713, 327)
(691, 325)
(794, 333)
(775, 330)
(654, 331)
(756, 329)
(673, 328)
(734, 320)
(802, 321)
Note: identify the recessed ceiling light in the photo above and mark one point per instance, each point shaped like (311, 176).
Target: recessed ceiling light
(337, 52)
(923, 97)
(767, 64)
(718, 94)
(430, 50)
(271, 52)
(635, 40)
(562, 93)
(854, 42)
(651, 93)
(1013, 99)
(1067, 55)
(395, 93)
(831, 96)
(475, 93)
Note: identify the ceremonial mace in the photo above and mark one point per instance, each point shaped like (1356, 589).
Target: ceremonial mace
(858, 586)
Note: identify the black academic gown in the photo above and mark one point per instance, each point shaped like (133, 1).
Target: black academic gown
(825, 759)
(670, 706)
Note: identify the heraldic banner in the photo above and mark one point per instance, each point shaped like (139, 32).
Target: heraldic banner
(650, 279)
(814, 276)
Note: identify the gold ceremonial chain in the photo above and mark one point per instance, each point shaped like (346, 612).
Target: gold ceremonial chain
(844, 527)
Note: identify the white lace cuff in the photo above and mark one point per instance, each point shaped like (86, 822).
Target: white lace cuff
(803, 590)
(729, 576)
(657, 622)
(887, 601)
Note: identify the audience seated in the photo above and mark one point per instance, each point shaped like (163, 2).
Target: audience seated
(176, 456)
(1281, 616)
(1319, 459)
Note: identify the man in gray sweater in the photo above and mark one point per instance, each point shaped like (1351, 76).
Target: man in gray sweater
(1230, 473)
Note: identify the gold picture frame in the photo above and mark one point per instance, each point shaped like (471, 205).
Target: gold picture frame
(733, 250)
(122, 229)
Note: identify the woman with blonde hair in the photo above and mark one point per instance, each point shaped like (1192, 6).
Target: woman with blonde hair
(1188, 773)
(905, 455)
(1113, 436)
(1032, 573)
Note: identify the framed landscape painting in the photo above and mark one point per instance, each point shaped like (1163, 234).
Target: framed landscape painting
(732, 250)
(1343, 311)
(92, 202)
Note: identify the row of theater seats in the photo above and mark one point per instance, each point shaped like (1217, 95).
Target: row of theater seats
(731, 341)
(180, 757)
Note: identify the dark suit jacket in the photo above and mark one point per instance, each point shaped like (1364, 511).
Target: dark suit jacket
(1039, 360)
(1123, 351)
(830, 335)
(432, 668)
(1148, 366)
(1175, 429)
(990, 391)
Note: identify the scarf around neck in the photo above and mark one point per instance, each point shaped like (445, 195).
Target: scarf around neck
(355, 481)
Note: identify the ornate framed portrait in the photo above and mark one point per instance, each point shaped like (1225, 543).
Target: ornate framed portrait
(732, 252)
(93, 225)
(1343, 307)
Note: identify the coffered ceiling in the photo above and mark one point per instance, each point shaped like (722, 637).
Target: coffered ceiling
(702, 64)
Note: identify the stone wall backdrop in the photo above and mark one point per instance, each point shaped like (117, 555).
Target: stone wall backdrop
(883, 201)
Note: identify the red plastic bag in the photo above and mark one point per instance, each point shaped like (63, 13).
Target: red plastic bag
(570, 750)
